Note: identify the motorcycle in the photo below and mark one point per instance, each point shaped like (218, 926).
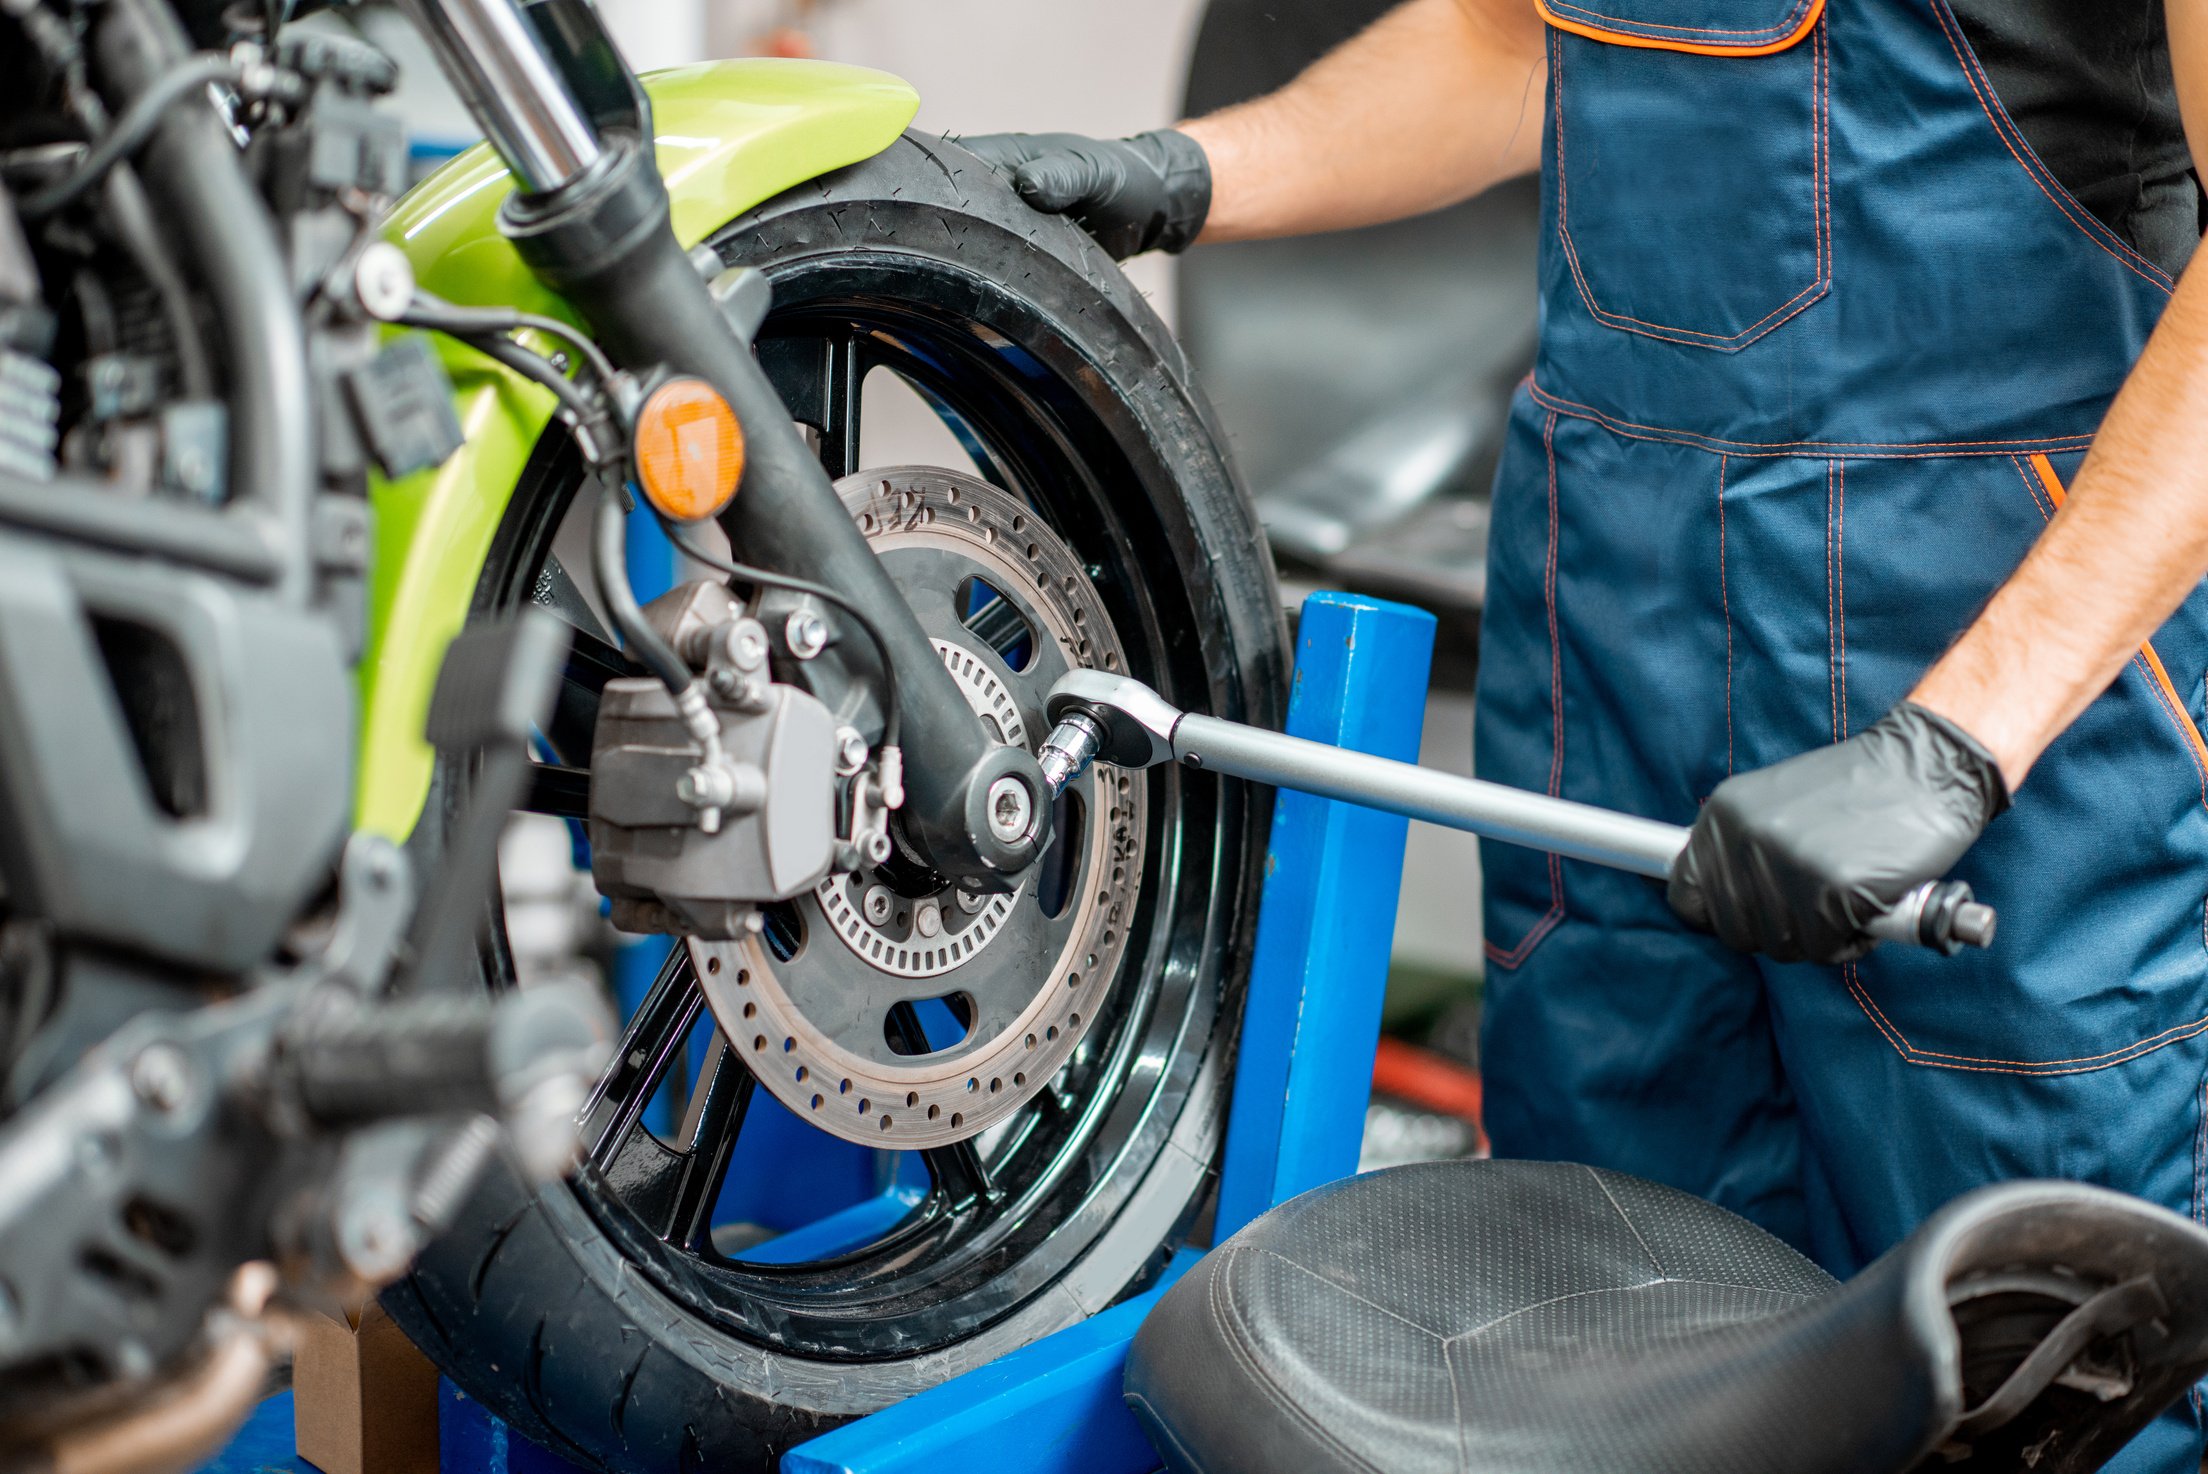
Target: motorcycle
(314, 510)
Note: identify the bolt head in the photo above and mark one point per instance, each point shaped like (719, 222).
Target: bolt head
(877, 903)
(970, 902)
(162, 1077)
(850, 751)
(806, 633)
(1011, 809)
(383, 281)
(876, 847)
(747, 644)
(927, 919)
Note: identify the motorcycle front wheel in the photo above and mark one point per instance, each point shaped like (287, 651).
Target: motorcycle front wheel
(610, 1317)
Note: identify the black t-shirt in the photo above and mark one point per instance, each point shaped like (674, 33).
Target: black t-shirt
(2088, 83)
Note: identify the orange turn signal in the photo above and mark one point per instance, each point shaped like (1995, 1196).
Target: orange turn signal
(689, 449)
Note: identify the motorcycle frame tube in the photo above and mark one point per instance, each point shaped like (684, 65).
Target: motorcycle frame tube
(728, 135)
(197, 176)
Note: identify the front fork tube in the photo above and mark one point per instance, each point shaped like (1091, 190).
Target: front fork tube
(590, 218)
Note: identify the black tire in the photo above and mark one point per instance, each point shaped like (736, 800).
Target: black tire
(540, 1305)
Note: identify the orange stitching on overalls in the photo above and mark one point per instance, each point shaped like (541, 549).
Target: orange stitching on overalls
(2040, 478)
(2083, 1064)
(1820, 204)
(1792, 22)
(1724, 601)
(1840, 580)
(2147, 661)
(1555, 913)
(1832, 624)
(2021, 150)
(1857, 450)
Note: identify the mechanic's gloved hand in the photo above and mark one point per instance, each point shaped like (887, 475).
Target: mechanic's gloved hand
(1792, 860)
(1146, 193)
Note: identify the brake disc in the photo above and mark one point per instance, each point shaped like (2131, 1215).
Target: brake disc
(841, 1030)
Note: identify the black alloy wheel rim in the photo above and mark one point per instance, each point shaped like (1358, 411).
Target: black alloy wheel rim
(1042, 424)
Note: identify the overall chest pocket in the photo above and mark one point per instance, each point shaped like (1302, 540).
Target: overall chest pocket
(1691, 157)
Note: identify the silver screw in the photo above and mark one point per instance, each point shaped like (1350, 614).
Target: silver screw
(850, 751)
(971, 902)
(927, 919)
(162, 1076)
(747, 644)
(877, 903)
(876, 846)
(806, 633)
(383, 281)
(1011, 809)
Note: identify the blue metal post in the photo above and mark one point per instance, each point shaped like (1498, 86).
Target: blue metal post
(1310, 1026)
(1312, 1023)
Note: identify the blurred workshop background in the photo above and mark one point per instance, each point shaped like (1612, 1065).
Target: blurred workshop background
(1362, 379)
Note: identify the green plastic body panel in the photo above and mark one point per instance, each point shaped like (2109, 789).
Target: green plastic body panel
(730, 134)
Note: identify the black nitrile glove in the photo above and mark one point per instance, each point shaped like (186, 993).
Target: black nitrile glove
(1792, 860)
(1146, 193)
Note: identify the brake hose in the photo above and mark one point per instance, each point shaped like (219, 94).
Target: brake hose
(609, 557)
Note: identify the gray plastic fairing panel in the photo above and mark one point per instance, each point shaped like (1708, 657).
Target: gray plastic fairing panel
(83, 843)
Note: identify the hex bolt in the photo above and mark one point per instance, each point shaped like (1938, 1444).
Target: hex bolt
(850, 751)
(806, 633)
(927, 919)
(877, 903)
(970, 902)
(876, 846)
(1011, 809)
(162, 1076)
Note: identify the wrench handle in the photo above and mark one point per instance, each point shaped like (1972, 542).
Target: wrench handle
(1942, 915)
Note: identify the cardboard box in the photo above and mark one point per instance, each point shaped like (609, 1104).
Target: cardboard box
(364, 1399)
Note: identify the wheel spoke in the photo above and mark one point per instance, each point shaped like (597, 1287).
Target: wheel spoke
(839, 436)
(959, 1174)
(711, 1124)
(649, 1047)
(591, 662)
(556, 591)
(562, 792)
(822, 380)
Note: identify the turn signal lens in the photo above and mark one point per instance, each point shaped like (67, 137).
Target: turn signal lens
(689, 449)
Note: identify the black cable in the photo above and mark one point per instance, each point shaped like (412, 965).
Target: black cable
(441, 316)
(535, 367)
(130, 132)
(609, 546)
(892, 716)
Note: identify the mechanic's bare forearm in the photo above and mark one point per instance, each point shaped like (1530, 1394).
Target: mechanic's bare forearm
(1432, 104)
(2127, 546)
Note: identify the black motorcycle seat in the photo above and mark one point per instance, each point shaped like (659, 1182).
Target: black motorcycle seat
(1481, 1317)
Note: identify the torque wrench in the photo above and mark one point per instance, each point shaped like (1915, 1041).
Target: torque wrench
(1101, 717)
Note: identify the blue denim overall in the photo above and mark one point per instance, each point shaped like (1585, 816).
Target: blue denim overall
(1822, 342)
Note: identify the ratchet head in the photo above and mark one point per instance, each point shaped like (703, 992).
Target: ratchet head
(1098, 716)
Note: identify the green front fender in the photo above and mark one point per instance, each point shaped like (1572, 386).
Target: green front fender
(730, 134)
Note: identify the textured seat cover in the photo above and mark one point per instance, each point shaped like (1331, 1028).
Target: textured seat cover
(1492, 1316)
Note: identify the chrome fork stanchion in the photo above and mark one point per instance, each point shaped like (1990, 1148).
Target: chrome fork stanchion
(495, 61)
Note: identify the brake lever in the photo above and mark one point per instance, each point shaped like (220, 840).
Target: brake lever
(1100, 717)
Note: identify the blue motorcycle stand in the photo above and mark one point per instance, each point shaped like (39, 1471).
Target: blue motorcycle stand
(1303, 1071)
